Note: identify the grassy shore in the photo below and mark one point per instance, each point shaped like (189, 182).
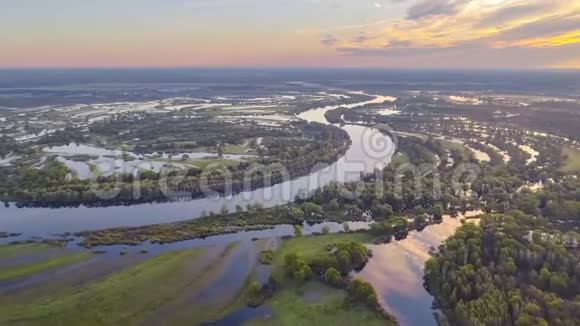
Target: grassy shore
(124, 298)
(171, 288)
(21, 271)
(9, 251)
(316, 304)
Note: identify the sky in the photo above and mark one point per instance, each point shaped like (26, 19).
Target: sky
(461, 34)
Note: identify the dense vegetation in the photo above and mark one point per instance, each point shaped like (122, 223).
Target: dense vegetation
(288, 153)
(506, 273)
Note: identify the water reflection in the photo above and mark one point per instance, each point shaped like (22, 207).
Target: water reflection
(396, 271)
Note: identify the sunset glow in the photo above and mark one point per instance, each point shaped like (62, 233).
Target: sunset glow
(382, 33)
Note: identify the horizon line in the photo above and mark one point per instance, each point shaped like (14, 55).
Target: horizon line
(475, 69)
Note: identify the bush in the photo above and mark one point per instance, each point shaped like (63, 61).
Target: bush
(362, 292)
(297, 231)
(266, 257)
(297, 268)
(325, 229)
(332, 276)
(255, 296)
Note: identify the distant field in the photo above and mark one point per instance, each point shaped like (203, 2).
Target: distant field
(571, 161)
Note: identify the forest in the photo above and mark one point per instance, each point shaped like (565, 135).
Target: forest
(505, 272)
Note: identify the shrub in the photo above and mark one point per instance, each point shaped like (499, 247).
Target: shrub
(297, 231)
(362, 292)
(332, 276)
(266, 257)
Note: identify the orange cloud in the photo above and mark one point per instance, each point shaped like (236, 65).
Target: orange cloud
(552, 41)
(487, 23)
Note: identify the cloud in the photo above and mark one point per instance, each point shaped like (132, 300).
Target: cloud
(361, 38)
(428, 8)
(399, 43)
(328, 40)
(546, 27)
(461, 30)
(507, 14)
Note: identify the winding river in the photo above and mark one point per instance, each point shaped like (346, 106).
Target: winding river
(395, 270)
(370, 149)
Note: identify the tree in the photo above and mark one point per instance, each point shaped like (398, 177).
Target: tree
(296, 213)
(220, 151)
(420, 221)
(363, 292)
(384, 229)
(437, 212)
(332, 276)
(344, 261)
(510, 266)
(400, 227)
(333, 205)
(345, 227)
(297, 231)
(311, 209)
(381, 212)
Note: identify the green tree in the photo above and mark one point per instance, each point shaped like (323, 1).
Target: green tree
(332, 276)
(437, 212)
(297, 231)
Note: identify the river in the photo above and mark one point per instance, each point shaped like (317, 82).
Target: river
(370, 149)
(395, 270)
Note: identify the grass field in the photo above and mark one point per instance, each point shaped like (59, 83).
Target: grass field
(124, 298)
(9, 251)
(21, 271)
(316, 304)
(236, 149)
(183, 287)
(172, 288)
(571, 161)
